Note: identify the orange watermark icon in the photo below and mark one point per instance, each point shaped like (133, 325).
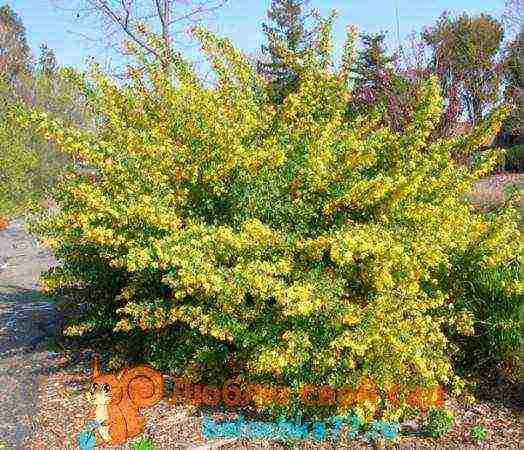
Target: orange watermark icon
(116, 400)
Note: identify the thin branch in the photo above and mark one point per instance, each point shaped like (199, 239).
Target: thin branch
(126, 29)
(128, 13)
(117, 20)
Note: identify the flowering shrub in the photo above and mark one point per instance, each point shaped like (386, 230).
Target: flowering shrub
(438, 422)
(284, 243)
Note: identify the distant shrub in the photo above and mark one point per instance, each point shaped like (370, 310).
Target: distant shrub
(144, 444)
(493, 295)
(283, 244)
(438, 422)
(478, 433)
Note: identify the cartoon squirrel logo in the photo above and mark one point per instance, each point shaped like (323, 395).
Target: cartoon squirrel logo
(117, 398)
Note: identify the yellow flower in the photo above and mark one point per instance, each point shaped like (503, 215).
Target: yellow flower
(350, 320)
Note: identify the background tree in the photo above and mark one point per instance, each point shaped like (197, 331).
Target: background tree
(118, 21)
(47, 62)
(15, 55)
(373, 80)
(514, 91)
(413, 64)
(373, 67)
(465, 55)
(29, 165)
(286, 36)
(388, 83)
(511, 134)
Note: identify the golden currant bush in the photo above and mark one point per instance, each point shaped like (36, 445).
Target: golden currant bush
(307, 247)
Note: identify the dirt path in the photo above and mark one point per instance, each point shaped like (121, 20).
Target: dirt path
(27, 319)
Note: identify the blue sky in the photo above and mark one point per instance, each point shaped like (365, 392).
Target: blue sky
(241, 19)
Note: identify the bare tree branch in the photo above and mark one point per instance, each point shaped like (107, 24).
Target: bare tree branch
(128, 13)
(114, 21)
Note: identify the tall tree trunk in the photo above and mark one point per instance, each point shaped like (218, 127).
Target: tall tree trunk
(477, 110)
(164, 13)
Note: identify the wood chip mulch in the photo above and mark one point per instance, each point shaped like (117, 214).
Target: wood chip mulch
(63, 408)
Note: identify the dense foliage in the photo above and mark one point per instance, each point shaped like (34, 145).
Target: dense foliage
(220, 231)
(496, 309)
(15, 54)
(466, 55)
(29, 165)
(286, 35)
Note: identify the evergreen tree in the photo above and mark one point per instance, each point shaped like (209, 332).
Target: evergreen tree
(379, 84)
(373, 72)
(287, 35)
